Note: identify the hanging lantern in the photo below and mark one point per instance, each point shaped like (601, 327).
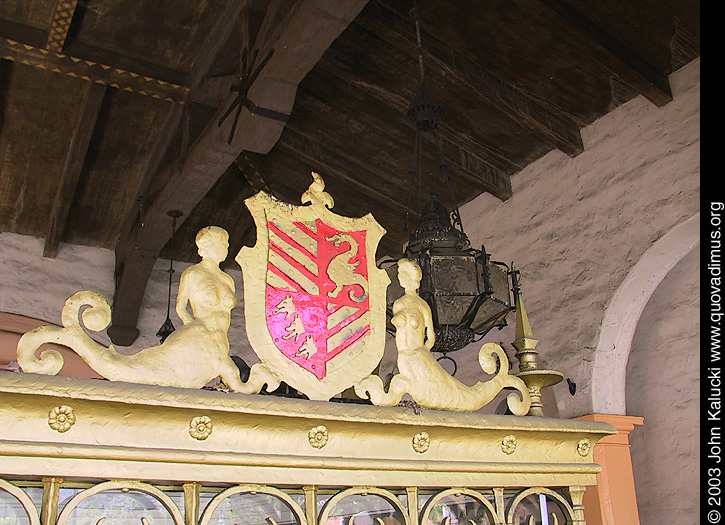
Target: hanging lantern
(468, 293)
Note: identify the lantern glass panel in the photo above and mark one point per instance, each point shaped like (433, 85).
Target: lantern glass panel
(452, 308)
(455, 275)
(493, 311)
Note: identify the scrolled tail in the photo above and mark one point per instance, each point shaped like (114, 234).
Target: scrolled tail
(96, 317)
(518, 404)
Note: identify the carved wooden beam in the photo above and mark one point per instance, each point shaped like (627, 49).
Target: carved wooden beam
(337, 162)
(471, 160)
(551, 127)
(250, 167)
(64, 11)
(627, 65)
(82, 133)
(299, 33)
(91, 71)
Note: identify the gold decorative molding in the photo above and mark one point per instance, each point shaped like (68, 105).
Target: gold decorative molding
(421, 442)
(61, 418)
(583, 447)
(200, 427)
(508, 444)
(133, 430)
(318, 436)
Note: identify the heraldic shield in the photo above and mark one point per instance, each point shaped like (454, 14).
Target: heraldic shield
(314, 300)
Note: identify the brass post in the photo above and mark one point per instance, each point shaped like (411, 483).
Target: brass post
(191, 503)
(576, 493)
(310, 504)
(412, 493)
(500, 506)
(526, 353)
(49, 506)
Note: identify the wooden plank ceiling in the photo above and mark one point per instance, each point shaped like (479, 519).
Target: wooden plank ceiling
(110, 110)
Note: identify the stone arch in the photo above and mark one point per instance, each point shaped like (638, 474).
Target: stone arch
(623, 313)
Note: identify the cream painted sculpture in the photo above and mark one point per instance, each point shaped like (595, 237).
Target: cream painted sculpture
(190, 357)
(315, 317)
(421, 376)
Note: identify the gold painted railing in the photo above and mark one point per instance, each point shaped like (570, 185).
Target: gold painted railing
(77, 451)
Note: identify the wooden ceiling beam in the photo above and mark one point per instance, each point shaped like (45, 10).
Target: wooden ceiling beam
(550, 126)
(82, 133)
(299, 33)
(624, 62)
(250, 166)
(134, 263)
(62, 18)
(471, 159)
(327, 161)
(91, 71)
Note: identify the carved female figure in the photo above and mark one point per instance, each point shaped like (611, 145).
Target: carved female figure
(421, 376)
(190, 357)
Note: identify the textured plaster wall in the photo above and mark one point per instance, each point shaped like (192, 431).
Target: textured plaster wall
(576, 226)
(663, 387)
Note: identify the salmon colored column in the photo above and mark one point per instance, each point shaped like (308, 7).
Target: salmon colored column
(613, 500)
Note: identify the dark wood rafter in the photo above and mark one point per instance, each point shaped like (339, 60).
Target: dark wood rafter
(82, 133)
(625, 63)
(176, 119)
(62, 18)
(299, 33)
(134, 262)
(468, 158)
(549, 126)
(91, 71)
(334, 162)
(250, 167)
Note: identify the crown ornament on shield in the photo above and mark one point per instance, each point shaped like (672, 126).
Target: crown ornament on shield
(314, 300)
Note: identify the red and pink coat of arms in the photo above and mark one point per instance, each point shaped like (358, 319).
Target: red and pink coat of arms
(314, 299)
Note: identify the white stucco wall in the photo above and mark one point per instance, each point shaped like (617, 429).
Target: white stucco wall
(663, 386)
(576, 226)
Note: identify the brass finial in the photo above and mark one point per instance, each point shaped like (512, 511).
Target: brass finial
(525, 345)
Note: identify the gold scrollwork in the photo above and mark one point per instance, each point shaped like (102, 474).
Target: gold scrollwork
(583, 447)
(200, 427)
(61, 418)
(31, 514)
(65, 517)
(389, 497)
(508, 444)
(213, 505)
(318, 436)
(437, 499)
(421, 442)
(563, 504)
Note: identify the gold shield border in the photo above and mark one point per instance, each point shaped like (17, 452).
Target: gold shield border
(253, 262)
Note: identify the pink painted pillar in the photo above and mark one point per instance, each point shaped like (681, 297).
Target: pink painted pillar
(613, 500)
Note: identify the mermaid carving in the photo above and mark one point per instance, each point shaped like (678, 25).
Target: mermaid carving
(421, 376)
(190, 357)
